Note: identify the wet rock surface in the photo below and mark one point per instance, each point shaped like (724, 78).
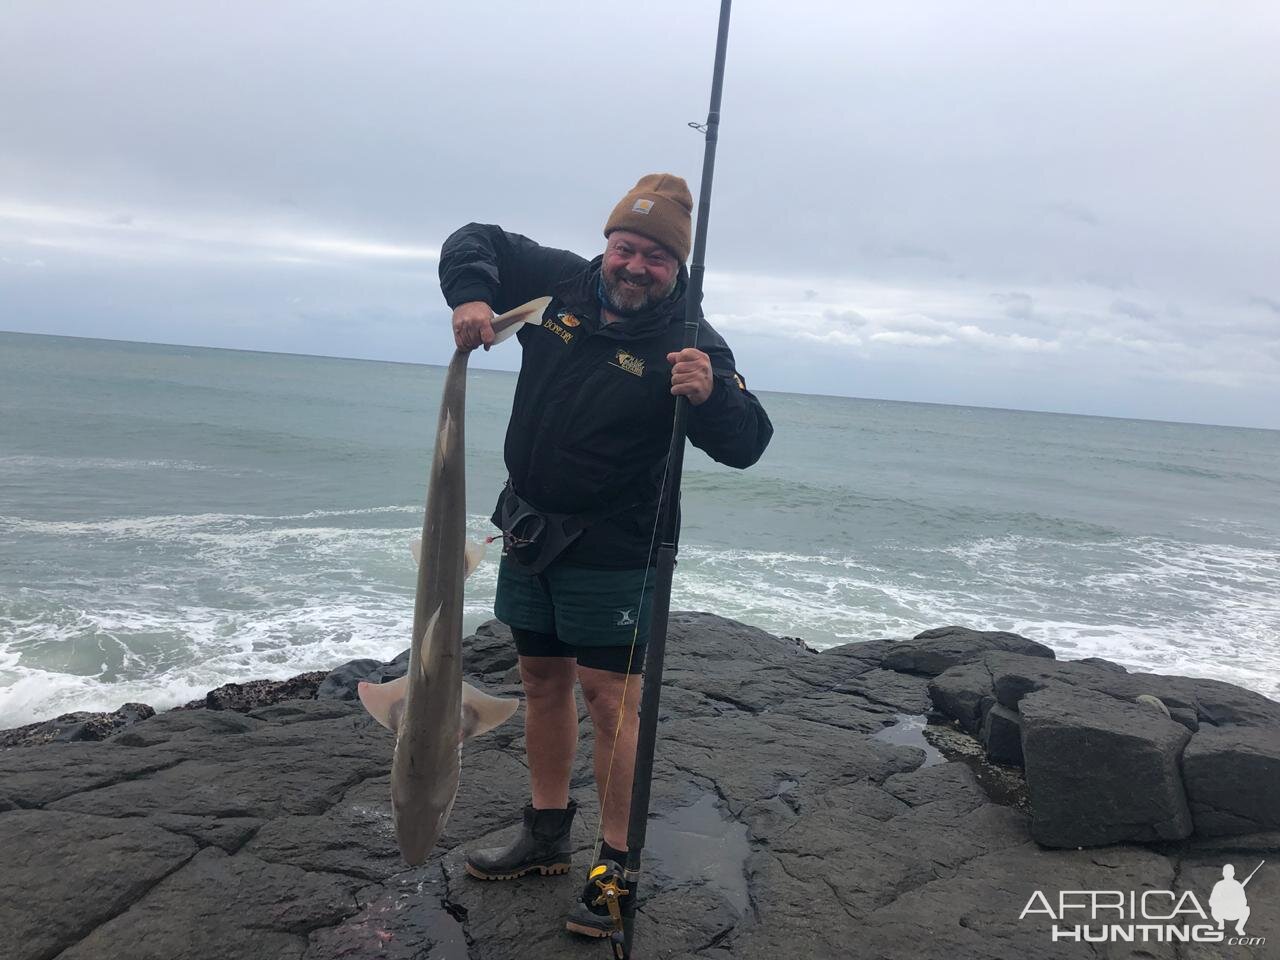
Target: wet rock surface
(796, 813)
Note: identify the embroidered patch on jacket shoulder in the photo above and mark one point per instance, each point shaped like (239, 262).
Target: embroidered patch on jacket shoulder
(642, 206)
(567, 318)
(631, 364)
(738, 380)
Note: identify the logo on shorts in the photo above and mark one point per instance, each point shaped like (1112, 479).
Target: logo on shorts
(626, 618)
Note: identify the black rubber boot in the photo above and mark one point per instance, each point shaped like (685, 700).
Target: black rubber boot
(587, 924)
(543, 845)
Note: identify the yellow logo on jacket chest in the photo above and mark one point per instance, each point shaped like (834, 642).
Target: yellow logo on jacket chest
(626, 361)
(559, 331)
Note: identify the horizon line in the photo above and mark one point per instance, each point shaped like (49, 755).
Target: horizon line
(784, 393)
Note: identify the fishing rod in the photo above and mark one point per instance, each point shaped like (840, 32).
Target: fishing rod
(607, 891)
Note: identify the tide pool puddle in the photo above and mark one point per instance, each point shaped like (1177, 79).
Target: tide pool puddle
(700, 844)
(908, 731)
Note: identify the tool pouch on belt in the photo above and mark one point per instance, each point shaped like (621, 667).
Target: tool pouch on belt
(534, 538)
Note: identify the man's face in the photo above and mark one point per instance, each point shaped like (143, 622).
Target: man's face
(637, 272)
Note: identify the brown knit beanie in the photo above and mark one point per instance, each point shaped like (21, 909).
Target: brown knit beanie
(659, 207)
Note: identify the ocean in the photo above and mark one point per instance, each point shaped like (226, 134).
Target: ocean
(175, 518)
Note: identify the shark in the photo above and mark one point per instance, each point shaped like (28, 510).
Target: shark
(431, 709)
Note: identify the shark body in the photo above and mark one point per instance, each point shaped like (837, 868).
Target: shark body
(430, 709)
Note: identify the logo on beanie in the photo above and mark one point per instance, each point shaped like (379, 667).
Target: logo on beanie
(642, 206)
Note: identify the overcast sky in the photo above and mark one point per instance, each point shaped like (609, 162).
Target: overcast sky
(1067, 207)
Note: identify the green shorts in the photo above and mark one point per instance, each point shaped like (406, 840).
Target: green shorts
(582, 606)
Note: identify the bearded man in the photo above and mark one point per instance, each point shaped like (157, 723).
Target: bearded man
(586, 449)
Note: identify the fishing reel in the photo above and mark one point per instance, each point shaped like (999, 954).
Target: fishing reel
(606, 895)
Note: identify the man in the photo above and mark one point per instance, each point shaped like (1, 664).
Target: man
(586, 449)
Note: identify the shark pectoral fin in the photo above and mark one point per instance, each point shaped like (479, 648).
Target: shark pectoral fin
(506, 325)
(472, 554)
(384, 701)
(482, 712)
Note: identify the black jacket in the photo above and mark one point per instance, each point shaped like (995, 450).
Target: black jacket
(592, 416)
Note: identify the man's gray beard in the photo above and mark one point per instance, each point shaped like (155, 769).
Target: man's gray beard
(630, 303)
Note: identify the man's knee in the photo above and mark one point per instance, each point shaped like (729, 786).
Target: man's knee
(604, 691)
(547, 678)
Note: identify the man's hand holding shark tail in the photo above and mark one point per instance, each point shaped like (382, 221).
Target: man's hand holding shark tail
(473, 325)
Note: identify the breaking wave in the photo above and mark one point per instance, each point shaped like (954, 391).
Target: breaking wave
(169, 607)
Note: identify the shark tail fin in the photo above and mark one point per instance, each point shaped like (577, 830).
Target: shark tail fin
(384, 701)
(472, 554)
(482, 712)
(511, 321)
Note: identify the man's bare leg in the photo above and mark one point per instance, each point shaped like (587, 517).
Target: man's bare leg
(603, 691)
(550, 728)
(551, 739)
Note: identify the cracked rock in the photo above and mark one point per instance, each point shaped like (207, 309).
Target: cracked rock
(65, 874)
(1232, 776)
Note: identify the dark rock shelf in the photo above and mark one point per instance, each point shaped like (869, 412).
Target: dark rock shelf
(795, 813)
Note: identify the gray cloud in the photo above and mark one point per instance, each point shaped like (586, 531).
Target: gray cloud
(1075, 212)
(1266, 302)
(903, 251)
(1017, 306)
(848, 318)
(1128, 308)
